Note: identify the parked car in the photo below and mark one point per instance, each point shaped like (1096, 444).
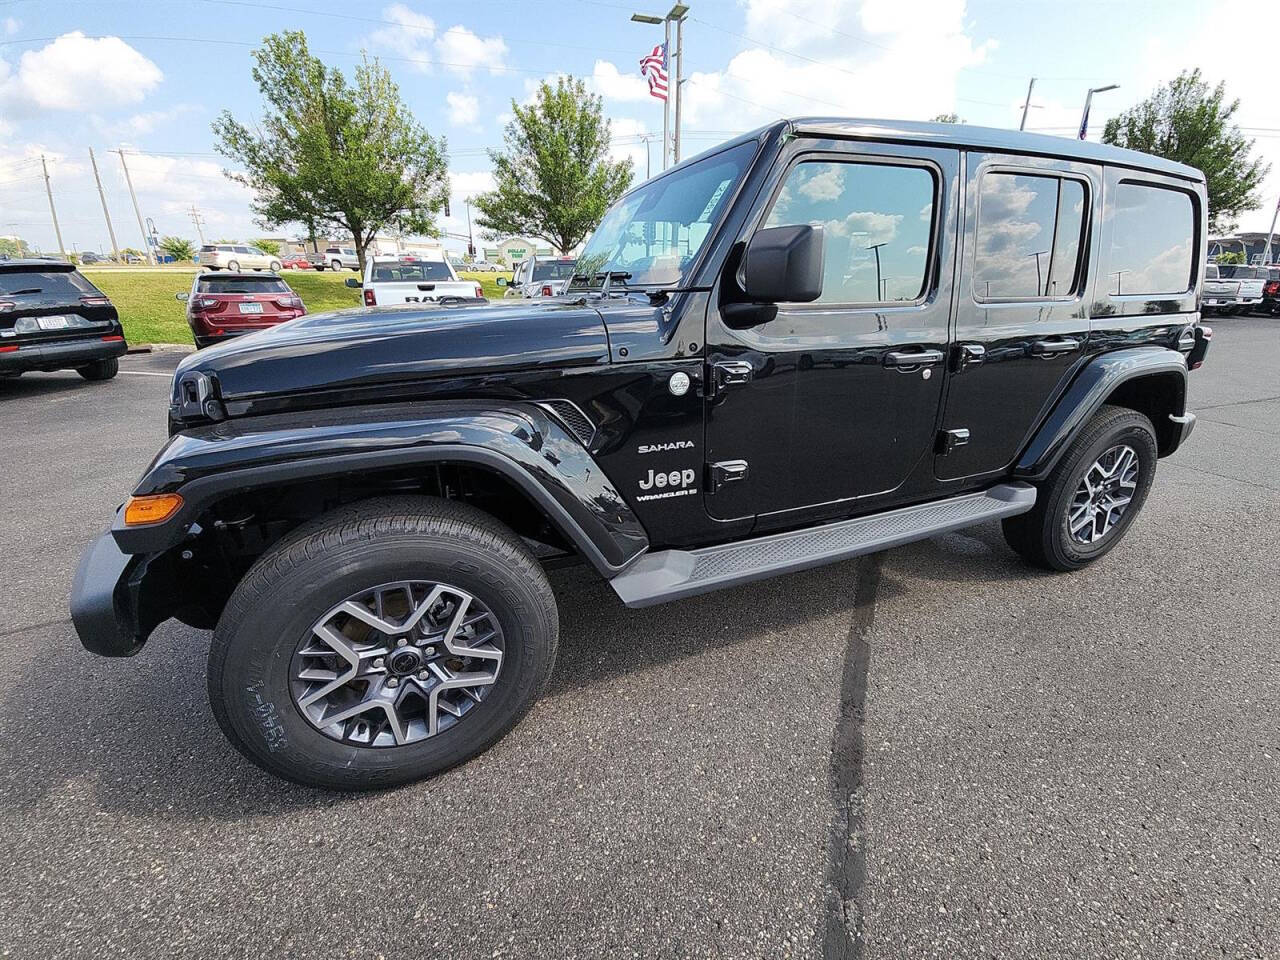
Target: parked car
(295, 261)
(236, 257)
(536, 277)
(361, 504)
(1232, 287)
(338, 258)
(226, 305)
(413, 279)
(88, 256)
(1271, 291)
(53, 318)
(134, 258)
(484, 266)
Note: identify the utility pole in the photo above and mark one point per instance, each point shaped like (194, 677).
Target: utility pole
(198, 221)
(1027, 106)
(52, 209)
(146, 241)
(115, 248)
(683, 12)
(1266, 254)
(471, 240)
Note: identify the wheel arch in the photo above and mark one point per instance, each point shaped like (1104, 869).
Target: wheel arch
(1151, 380)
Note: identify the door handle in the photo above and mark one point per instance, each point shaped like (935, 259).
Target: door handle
(1049, 348)
(912, 358)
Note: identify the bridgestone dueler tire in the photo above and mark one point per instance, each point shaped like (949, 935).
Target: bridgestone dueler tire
(1040, 536)
(333, 557)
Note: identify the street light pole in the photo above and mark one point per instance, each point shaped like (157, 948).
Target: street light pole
(679, 70)
(677, 15)
(1088, 99)
(53, 211)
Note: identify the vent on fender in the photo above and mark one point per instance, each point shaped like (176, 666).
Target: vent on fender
(568, 413)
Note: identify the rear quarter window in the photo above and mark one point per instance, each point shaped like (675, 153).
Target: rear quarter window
(1152, 241)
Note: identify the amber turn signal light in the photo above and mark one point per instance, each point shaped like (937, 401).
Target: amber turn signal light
(155, 508)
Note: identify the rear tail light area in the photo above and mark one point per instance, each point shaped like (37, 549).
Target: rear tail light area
(289, 303)
(205, 303)
(1272, 288)
(95, 301)
(369, 299)
(546, 289)
(479, 292)
(6, 306)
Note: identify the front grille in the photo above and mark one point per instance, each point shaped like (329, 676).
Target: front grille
(578, 423)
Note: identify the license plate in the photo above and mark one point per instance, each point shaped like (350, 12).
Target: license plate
(53, 323)
(250, 308)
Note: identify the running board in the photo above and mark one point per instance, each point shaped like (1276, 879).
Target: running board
(672, 574)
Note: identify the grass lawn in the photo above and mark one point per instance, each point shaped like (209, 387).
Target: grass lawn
(150, 313)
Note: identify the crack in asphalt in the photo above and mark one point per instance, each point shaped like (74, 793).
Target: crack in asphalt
(843, 925)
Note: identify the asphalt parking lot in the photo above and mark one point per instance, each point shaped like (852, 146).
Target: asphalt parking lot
(935, 752)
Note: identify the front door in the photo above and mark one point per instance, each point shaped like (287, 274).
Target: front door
(837, 400)
(1022, 316)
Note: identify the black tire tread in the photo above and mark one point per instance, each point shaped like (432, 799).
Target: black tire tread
(367, 520)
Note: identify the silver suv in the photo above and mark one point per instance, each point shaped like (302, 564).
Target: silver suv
(336, 258)
(235, 257)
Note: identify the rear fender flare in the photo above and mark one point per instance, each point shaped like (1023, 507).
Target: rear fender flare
(523, 442)
(1094, 384)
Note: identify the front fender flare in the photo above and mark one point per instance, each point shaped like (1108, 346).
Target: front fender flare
(1095, 382)
(521, 441)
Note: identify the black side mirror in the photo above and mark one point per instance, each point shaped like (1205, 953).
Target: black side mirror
(354, 283)
(784, 265)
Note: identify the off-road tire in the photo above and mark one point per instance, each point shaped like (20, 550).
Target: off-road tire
(327, 559)
(100, 369)
(1041, 535)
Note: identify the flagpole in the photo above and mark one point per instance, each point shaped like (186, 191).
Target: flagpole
(1266, 254)
(666, 101)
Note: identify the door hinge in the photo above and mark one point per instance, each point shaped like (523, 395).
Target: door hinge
(729, 373)
(727, 471)
(949, 440)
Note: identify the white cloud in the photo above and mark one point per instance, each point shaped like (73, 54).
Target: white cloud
(141, 124)
(410, 38)
(462, 51)
(464, 109)
(612, 84)
(57, 76)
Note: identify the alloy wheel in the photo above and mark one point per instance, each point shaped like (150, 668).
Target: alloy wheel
(397, 663)
(1104, 494)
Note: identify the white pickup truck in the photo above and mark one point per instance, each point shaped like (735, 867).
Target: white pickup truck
(1231, 287)
(389, 281)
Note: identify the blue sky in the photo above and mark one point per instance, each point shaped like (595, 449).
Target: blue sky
(148, 76)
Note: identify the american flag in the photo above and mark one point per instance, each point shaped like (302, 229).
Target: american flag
(654, 68)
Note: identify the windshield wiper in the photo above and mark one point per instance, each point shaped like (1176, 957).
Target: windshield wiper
(18, 293)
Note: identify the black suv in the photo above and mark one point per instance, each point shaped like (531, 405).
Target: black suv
(819, 340)
(52, 318)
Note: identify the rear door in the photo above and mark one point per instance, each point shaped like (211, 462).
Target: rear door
(1022, 305)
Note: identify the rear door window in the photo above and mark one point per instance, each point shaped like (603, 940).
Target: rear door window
(561, 270)
(1152, 239)
(1029, 236)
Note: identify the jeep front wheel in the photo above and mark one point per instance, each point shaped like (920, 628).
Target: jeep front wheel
(1092, 496)
(416, 632)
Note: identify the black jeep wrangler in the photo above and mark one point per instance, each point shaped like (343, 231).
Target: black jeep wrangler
(819, 340)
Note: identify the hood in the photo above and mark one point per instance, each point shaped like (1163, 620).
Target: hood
(380, 353)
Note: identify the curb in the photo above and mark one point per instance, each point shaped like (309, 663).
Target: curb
(161, 348)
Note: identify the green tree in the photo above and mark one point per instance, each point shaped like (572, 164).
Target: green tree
(1189, 121)
(270, 247)
(554, 176)
(178, 248)
(14, 247)
(328, 153)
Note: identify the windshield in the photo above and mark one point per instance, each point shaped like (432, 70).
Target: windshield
(655, 232)
(554, 270)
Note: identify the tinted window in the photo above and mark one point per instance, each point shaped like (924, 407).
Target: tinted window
(876, 220)
(241, 249)
(562, 270)
(1028, 237)
(216, 284)
(208, 247)
(421, 270)
(46, 284)
(1151, 241)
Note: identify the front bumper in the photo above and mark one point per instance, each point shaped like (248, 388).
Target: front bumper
(60, 355)
(101, 606)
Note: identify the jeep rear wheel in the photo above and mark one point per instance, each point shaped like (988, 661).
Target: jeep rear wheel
(1092, 496)
(100, 369)
(418, 632)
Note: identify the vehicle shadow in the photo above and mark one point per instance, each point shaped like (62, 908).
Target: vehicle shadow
(29, 386)
(139, 732)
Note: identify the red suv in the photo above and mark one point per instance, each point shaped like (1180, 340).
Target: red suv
(224, 305)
